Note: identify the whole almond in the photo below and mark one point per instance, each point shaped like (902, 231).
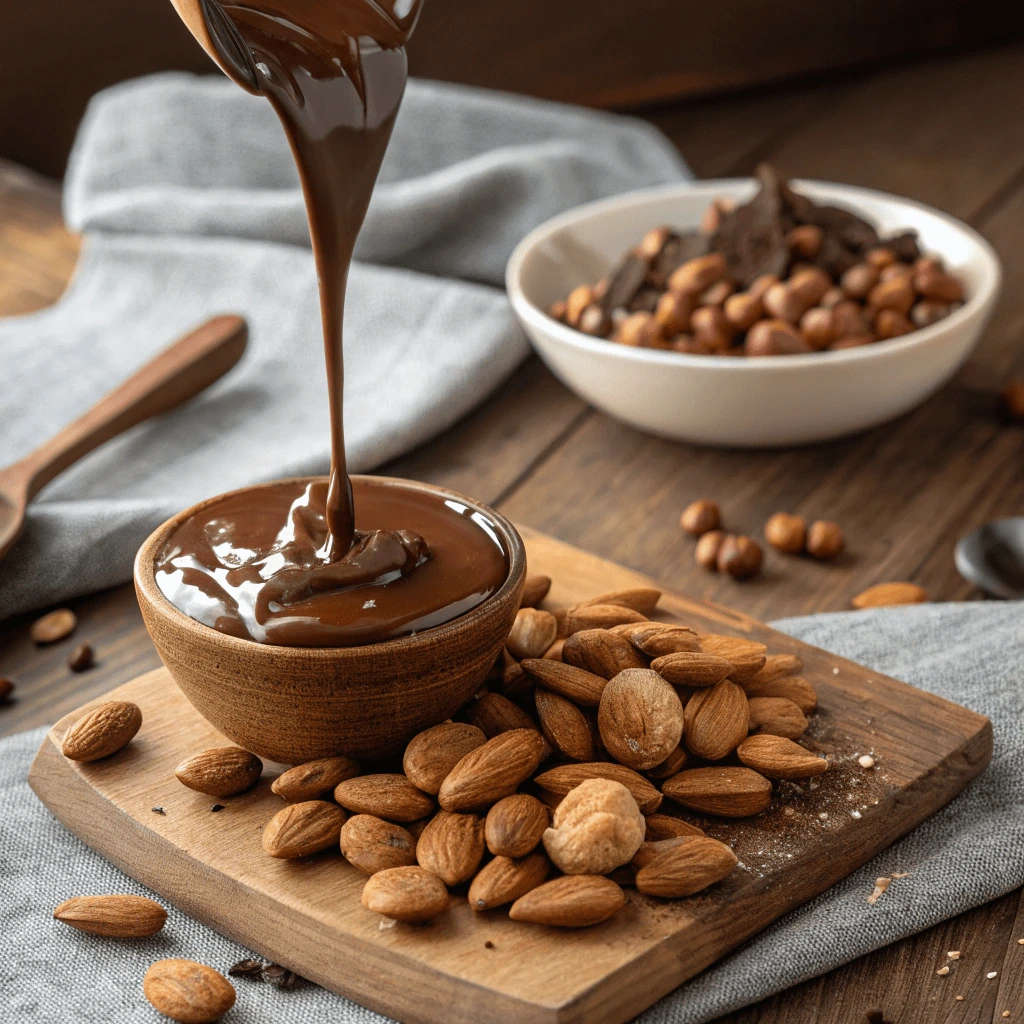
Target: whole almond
(188, 992)
(505, 879)
(410, 894)
(640, 599)
(53, 626)
(572, 901)
(599, 616)
(389, 796)
(433, 753)
(652, 849)
(535, 589)
(686, 868)
(664, 826)
(692, 668)
(578, 685)
(566, 777)
(514, 680)
(314, 779)
(794, 688)
(776, 716)
(672, 765)
(514, 825)
(746, 656)
(882, 595)
(564, 726)
(640, 718)
(630, 630)
(102, 731)
(554, 652)
(302, 829)
(670, 640)
(493, 714)
(117, 916)
(602, 652)
(371, 844)
(705, 554)
(493, 771)
(452, 846)
(533, 632)
(775, 667)
(729, 792)
(779, 758)
(220, 771)
(716, 720)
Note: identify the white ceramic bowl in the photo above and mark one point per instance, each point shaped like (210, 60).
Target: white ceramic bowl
(722, 400)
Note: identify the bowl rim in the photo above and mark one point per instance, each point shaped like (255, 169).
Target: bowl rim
(836, 192)
(144, 573)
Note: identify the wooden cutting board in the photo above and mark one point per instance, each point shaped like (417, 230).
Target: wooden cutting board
(469, 968)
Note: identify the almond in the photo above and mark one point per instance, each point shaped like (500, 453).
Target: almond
(747, 656)
(554, 652)
(53, 626)
(433, 753)
(776, 716)
(493, 714)
(515, 825)
(389, 796)
(579, 685)
(535, 589)
(670, 640)
(566, 777)
(775, 667)
(302, 829)
(572, 901)
(599, 616)
(602, 652)
(452, 846)
(779, 758)
(663, 826)
(692, 668)
(640, 718)
(410, 894)
(505, 879)
(882, 595)
(371, 844)
(686, 868)
(564, 726)
(672, 765)
(652, 849)
(730, 792)
(314, 779)
(188, 992)
(794, 688)
(220, 771)
(643, 628)
(102, 731)
(492, 771)
(514, 680)
(640, 599)
(117, 917)
(533, 632)
(716, 720)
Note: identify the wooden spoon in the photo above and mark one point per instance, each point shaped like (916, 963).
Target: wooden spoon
(178, 373)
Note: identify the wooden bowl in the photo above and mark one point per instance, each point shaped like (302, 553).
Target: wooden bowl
(294, 704)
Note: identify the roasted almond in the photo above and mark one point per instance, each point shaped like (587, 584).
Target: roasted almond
(389, 796)
(451, 846)
(117, 916)
(566, 777)
(640, 718)
(314, 779)
(493, 714)
(775, 667)
(188, 992)
(564, 726)
(670, 640)
(602, 652)
(716, 720)
(692, 668)
(554, 652)
(535, 589)
(776, 716)
(729, 792)
(747, 656)
(599, 616)
(514, 825)
(794, 688)
(664, 826)
(371, 844)
(686, 868)
(643, 628)
(53, 626)
(410, 894)
(579, 685)
(640, 599)
(779, 758)
(672, 765)
(505, 879)
(433, 753)
(102, 731)
(652, 849)
(533, 632)
(302, 829)
(514, 681)
(220, 771)
(572, 901)
(882, 595)
(493, 771)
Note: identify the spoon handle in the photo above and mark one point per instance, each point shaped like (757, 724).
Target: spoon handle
(178, 373)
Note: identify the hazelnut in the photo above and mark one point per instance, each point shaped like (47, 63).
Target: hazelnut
(579, 299)
(638, 330)
(710, 327)
(896, 269)
(699, 517)
(783, 303)
(809, 285)
(596, 828)
(594, 321)
(673, 312)
(928, 312)
(832, 297)
(880, 257)
(816, 327)
(653, 242)
(1012, 399)
(706, 552)
(805, 241)
(686, 344)
(743, 310)
(825, 539)
(717, 293)
(697, 274)
(896, 293)
(852, 341)
(929, 263)
(740, 557)
(890, 323)
(558, 310)
(935, 284)
(762, 284)
(786, 532)
(848, 318)
(859, 280)
(774, 338)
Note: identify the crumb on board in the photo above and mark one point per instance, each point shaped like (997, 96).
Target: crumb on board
(866, 761)
(835, 671)
(991, 975)
(954, 954)
(943, 971)
(900, 874)
(1006, 1013)
(959, 999)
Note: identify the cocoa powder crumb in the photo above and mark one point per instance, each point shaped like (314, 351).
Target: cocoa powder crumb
(158, 810)
(488, 944)
(217, 807)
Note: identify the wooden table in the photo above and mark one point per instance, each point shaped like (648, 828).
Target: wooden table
(948, 132)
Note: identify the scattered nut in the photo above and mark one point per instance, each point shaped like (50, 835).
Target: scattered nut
(53, 626)
(706, 552)
(700, 517)
(82, 659)
(786, 532)
(825, 540)
(1012, 398)
(740, 557)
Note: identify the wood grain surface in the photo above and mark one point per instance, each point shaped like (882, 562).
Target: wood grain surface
(307, 916)
(949, 132)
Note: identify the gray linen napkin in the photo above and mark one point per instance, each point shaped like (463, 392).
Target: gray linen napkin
(190, 203)
(968, 853)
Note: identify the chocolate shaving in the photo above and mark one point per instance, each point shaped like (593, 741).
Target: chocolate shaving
(158, 810)
(251, 969)
(217, 807)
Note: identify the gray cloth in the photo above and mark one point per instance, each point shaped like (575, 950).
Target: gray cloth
(190, 202)
(968, 853)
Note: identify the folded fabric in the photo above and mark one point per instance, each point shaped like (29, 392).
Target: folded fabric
(186, 191)
(970, 852)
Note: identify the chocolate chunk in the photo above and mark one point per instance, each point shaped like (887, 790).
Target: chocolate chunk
(645, 301)
(82, 659)
(280, 976)
(217, 807)
(674, 253)
(753, 237)
(904, 246)
(251, 969)
(624, 282)
(158, 810)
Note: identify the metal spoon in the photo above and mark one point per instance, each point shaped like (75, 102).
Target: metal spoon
(178, 373)
(992, 558)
